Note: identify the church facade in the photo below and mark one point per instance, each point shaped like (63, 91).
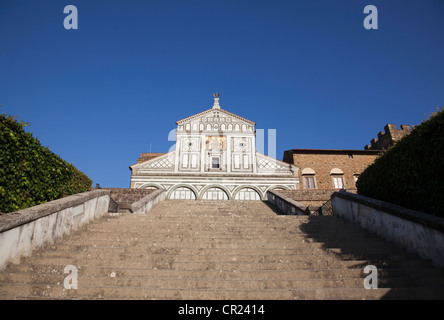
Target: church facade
(215, 159)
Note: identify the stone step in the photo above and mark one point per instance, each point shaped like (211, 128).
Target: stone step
(146, 293)
(275, 241)
(181, 255)
(127, 240)
(215, 284)
(223, 255)
(258, 282)
(118, 292)
(236, 252)
(155, 230)
(195, 265)
(148, 218)
(234, 249)
(362, 294)
(156, 248)
(217, 264)
(187, 233)
(294, 274)
(208, 226)
(255, 282)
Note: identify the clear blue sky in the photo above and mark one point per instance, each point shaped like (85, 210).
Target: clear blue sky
(100, 95)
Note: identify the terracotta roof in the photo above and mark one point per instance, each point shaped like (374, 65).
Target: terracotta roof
(148, 156)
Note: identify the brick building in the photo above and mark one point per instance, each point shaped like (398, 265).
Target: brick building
(330, 169)
(337, 169)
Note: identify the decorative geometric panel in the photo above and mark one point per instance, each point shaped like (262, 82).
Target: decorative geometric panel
(271, 164)
(164, 162)
(190, 144)
(241, 144)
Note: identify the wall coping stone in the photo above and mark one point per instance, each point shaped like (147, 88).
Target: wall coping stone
(139, 204)
(289, 200)
(419, 217)
(309, 194)
(17, 218)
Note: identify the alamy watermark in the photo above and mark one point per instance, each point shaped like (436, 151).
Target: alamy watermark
(71, 21)
(371, 21)
(70, 281)
(371, 281)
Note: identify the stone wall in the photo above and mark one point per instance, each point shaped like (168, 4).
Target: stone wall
(388, 137)
(416, 231)
(25, 230)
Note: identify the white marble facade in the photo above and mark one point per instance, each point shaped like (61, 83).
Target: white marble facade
(215, 158)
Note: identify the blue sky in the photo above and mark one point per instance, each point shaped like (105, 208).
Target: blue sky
(100, 95)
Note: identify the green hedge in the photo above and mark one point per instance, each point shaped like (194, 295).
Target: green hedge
(31, 174)
(411, 173)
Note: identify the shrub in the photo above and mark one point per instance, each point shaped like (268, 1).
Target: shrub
(411, 173)
(31, 174)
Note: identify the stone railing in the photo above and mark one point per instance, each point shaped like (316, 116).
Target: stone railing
(416, 231)
(286, 204)
(25, 230)
(148, 202)
(125, 197)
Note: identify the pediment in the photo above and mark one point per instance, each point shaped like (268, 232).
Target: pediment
(214, 116)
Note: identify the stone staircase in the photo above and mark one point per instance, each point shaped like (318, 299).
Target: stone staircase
(220, 250)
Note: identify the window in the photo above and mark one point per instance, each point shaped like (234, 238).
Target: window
(194, 160)
(185, 160)
(338, 182)
(236, 161)
(337, 176)
(246, 162)
(215, 163)
(308, 178)
(309, 182)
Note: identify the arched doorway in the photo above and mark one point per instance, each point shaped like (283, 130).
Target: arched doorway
(247, 194)
(182, 193)
(214, 193)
